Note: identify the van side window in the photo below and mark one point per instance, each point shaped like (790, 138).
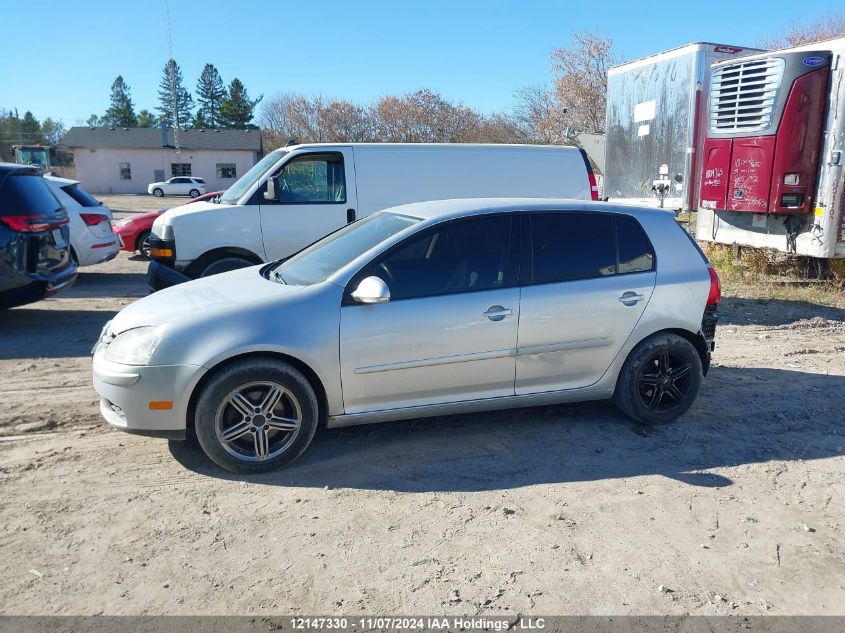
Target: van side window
(313, 179)
(461, 256)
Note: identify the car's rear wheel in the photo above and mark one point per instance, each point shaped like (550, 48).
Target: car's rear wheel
(224, 264)
(194, 193)
(659, 380)
(158, 193)
(142, 244)
(256, 415)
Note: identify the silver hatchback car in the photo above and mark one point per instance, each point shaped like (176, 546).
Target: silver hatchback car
(426, 309)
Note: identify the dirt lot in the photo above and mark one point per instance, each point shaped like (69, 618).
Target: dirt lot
(737, 508)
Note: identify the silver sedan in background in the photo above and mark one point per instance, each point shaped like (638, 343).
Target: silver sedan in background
(427, 309)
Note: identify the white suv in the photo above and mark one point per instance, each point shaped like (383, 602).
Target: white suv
(178, 186)
(92, 240)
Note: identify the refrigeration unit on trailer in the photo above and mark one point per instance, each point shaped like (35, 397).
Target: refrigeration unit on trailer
(655, 107)
(772, 166)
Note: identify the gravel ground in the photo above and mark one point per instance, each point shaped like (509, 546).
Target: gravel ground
(736, 508)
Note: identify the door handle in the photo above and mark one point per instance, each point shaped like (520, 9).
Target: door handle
(497, 313)
(631, 298)
(350, 216)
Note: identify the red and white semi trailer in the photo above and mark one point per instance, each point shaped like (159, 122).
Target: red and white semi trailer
(753, 141)
(773, 164)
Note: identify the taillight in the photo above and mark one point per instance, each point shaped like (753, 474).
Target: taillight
(594, 186)
(32, 223)
(715, 288)
(93, 219)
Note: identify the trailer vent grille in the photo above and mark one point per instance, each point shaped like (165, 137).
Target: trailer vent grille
(743, 95)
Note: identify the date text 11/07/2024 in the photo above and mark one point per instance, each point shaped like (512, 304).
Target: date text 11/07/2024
(456, 623)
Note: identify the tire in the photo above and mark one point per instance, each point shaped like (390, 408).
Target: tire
(646, 392)
(224, 264)
(142, 244)
(158, 193)
(254, 446)
(194, 193)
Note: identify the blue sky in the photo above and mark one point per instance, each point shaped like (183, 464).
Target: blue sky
(61, 57)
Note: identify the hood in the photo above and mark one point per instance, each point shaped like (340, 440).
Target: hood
(202, 298)
(140, 217)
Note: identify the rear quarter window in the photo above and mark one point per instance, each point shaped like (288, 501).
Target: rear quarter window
(30, 195)
(81, 196)
(635, 251)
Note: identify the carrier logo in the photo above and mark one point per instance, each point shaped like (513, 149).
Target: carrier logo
(813, 61)
(738, 194)
(727, 49)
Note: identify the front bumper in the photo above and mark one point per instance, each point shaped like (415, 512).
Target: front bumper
(126, 392)
(161, 276)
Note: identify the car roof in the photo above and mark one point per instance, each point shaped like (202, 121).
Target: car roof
(443, 209)
(62, 182)
(7, 169)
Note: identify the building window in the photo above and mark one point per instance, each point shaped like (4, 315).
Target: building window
(125, 171)
(226, 170)
(180, 169)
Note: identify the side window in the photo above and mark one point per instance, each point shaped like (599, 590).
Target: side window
(461, 256)
(313, 178)
(571, 246)
(635, 252)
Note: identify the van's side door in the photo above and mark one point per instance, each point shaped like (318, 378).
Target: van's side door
(448, 332)
(586, 281)
(314, 195)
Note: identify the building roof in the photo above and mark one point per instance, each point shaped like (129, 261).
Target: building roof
(152, 138)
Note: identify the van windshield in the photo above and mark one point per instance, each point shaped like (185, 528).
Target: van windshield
(325, 257)
(243, 184)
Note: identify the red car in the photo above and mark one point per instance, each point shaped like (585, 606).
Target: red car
(134, 230)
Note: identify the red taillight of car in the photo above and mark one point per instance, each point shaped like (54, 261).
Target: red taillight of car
(594, 186)
(715, 288)
(32, 223)
(93, 219)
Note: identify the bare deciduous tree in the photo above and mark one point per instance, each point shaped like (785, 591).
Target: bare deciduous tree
(799, 33)
(580, 82)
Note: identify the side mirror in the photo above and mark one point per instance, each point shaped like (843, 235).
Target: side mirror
(371, 290)
(270, 194)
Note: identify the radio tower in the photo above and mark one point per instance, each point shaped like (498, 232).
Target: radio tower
(172, 77)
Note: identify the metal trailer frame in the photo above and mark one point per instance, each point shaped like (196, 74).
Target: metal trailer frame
(818, 234)
(655, 113)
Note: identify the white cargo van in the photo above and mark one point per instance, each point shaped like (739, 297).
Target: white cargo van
(299, 193)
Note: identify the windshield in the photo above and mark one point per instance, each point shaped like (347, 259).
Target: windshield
(243, 184)
(322, 259)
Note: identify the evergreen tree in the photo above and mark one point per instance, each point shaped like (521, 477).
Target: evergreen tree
(31, 130)
(121, 112)
(210, 95)
(53, 131)
(237, 108)
(175, 103)
(199, 121)
(146, 119)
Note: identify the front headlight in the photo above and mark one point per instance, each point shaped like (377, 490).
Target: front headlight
(133, 347)
(163, 231)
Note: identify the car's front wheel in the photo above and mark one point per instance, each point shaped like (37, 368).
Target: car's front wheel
(194, 193)
(158, 192)
(142, 244)
(660, 379)
(256, 415)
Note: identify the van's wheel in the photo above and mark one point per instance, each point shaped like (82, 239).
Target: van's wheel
(142, 244)
(224, 264)
(256, 415)
(194, 193)
(158, 193)
(659, 380)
